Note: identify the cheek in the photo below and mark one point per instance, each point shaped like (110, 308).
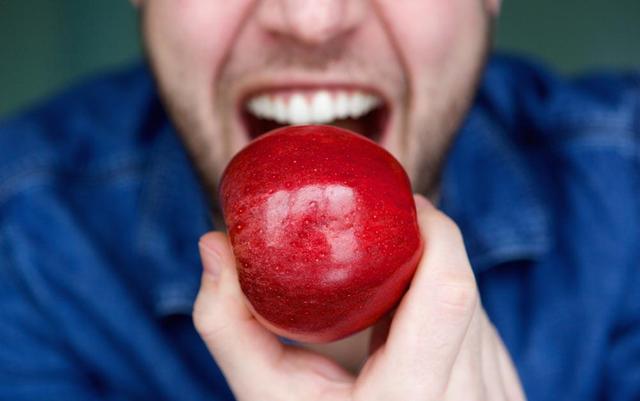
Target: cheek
(429, 32)
(442, 44)
(187, 42)
(191, 37)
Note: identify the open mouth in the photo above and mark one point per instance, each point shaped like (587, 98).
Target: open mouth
(360, 111)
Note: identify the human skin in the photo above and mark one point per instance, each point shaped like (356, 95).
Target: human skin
(439, 345)
(422, 59)
(423, 56)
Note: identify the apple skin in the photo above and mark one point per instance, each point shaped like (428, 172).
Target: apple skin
(322, 223)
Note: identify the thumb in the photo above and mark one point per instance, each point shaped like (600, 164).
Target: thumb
(219, 286)
(239, 344)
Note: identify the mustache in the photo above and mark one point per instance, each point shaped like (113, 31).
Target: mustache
(295, 57)
(317, 59)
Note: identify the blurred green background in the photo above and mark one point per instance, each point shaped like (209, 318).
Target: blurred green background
(47, 44)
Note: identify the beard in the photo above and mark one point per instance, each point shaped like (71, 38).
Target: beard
(204, 121)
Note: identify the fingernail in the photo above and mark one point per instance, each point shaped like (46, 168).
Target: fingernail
(421, 202)
(211, 261)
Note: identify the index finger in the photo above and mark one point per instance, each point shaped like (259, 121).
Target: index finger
(434, 315)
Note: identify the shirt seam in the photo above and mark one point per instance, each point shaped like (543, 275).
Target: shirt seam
(43, 170)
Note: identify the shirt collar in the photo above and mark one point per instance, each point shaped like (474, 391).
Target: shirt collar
(174, 214)
(490, 191)
(487, 188)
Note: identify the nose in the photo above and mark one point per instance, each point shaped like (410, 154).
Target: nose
(311, 22)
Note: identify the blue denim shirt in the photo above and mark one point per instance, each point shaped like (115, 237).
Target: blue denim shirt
(100, 214)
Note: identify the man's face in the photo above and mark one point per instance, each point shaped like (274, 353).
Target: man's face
(399, 71)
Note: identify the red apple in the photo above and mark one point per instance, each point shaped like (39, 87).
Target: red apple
(323, 226)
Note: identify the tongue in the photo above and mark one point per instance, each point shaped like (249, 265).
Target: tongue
(370, 125)
(351, 124)
(261, 126)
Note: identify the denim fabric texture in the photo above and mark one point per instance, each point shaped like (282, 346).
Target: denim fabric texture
(101, 211)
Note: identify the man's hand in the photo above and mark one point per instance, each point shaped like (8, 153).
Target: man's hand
(439, 345)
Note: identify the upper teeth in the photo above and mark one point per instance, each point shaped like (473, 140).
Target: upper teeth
(318, 107)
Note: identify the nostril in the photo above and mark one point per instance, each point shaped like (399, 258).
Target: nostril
(271, 16)
(310, 22)
(313, 21)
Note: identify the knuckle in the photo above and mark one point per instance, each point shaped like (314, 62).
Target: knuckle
(457, 292)
(451, 228)
(214, 319)
(448, 226)
(214, 333)
(205, 319)
(201, 317)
